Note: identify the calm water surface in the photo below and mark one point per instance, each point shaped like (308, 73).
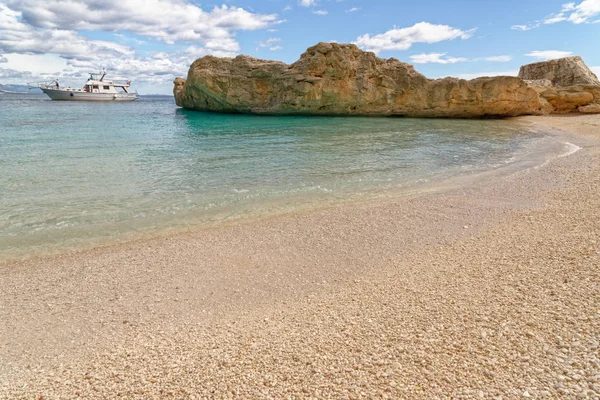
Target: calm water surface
(77, 173)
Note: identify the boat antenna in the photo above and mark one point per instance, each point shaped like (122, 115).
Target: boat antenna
(103, 74)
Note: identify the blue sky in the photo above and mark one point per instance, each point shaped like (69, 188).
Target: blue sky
(152, 41)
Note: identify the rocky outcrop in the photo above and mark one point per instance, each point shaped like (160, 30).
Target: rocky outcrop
(573, 86)
(340, 79)
(561, 72)
(565, 100)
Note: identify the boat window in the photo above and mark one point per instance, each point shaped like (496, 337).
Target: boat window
(95, 86)
(106, 87)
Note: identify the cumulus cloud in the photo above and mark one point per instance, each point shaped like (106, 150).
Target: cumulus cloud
(320, 12)
(12, 76)
(438, 58)
(155, 69)
(53, 28)
(353, 9)
(307, 3)
(548, 54)
(18, 37)
(165, 20)
(404, 38)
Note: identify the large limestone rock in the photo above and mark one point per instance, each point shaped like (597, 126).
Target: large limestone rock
(340, 79)
(561, 72)
(570, 99)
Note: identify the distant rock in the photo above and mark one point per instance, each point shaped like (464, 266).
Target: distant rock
(341, 79)
(574, 87)
(561, 72)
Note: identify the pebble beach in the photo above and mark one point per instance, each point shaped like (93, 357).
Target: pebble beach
(486, 288)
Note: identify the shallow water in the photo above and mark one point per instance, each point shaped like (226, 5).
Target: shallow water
(75, 173)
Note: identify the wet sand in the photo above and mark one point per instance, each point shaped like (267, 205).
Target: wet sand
(487, 289)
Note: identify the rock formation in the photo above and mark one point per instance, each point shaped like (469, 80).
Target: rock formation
(568, 71)
(569, 99)
(341, 79)
(566, 83)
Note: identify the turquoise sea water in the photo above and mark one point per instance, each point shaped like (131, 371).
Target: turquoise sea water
(75, 173)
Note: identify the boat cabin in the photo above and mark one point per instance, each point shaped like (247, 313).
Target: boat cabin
(97, 84)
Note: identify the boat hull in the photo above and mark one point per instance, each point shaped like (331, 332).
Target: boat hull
(76, 95)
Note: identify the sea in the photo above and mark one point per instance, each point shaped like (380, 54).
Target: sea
(75, 175)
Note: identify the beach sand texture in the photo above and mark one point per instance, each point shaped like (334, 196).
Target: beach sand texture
(489, 289)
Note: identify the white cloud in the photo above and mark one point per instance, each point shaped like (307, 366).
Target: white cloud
(583, 12)
(307, 3)
(548, 54)
(165, 20)
(498, 58)
(320, 12)
(12, 76)
(39, 40)
(525, 27)
(439, 58)
(580, 13)
(554, 18)
(353, 9)
(193, 52)
(404, 38)
(35, 63)
(480, 74)
(271, 44)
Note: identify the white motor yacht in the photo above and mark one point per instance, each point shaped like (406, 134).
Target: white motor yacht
(95, 89)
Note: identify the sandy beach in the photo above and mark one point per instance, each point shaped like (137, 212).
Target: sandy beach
(486, 289)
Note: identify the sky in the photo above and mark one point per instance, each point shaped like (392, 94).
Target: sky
(153, 41)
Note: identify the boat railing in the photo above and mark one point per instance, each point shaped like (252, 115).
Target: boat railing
(42, 85)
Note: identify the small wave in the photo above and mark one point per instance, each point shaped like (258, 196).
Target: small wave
(571, 149)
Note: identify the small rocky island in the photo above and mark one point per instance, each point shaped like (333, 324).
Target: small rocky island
(341, 79)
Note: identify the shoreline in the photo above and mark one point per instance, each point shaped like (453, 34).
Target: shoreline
(529, 158)
(441, 294)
